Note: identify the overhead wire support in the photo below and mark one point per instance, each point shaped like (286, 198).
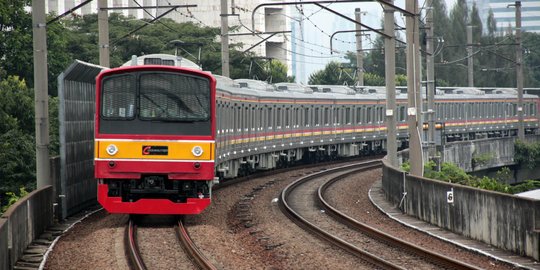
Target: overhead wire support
(354, 31)
(299, 3)
(153, 20)
(145, 7)
(263, 40)
(340, 32)
(260, 33)
(70, 11)
(354, 21)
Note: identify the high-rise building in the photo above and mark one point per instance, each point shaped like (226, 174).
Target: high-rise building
(208, 13)
(505, 14)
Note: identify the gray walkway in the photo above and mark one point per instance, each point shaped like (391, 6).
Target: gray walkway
(378, 199)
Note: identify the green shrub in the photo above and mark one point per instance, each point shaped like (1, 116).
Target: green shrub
(12, 198)
(527, 154)
(528, 185)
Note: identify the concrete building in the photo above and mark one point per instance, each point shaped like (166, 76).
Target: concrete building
(505, 15)
(207, 13)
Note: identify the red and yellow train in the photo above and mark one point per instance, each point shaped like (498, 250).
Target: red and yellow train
(155, 139)
(163, 132)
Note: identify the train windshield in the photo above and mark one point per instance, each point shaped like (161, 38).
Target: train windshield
(161, 97)
(173, 97)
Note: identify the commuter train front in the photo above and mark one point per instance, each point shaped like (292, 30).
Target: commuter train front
(154, 139)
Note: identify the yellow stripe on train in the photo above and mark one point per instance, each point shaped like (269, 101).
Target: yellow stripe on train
(155, 150)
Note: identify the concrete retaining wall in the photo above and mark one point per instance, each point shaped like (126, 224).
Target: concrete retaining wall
(22, 223)
(502, 220)
(496, 152)
(4, 252)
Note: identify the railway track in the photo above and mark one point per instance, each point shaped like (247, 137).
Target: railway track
(303, 201)
(135, 258)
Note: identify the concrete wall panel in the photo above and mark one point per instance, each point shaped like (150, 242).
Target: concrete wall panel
(25, 220)
(4, 251)
(506, 221)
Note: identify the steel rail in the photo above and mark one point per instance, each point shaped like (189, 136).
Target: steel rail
(303, 223)
(437, 258)
(192, 249)
(132, 249)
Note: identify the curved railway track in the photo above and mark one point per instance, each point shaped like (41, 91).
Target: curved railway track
(135, 260)
(303, 201)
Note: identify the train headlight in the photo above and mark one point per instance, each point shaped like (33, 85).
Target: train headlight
(197, 151)
(112, 149)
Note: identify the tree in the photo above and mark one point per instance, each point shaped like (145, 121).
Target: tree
(455, 45)
(531, 59)
(330, 75)
(491, 24)
(16, 39)
(16, 48)
(17, 162)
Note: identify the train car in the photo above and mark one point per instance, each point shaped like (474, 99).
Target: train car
(267, 126)
(155, 139)
(261, 126)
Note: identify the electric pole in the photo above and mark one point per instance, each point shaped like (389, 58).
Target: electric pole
(224, 39)
(41, 95)
(430, 73)
(470, 56)
(390, 74)
(359, 56)
(519, 72)
(414, 95)
(103, 29)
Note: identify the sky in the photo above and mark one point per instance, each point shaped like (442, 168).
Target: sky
(320, 24)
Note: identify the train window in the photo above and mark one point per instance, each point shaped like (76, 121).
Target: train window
(326, 116)
(238, 120)
(119, 96)
(247, 119)
(296, 117)
(531, 109)
(269, 122)
(278, 118)
(348, 116)
(316, 116)
(336, 116)
(306, 117)
(235, 118)
(368, 115)
(399, 114)
(174, 97)
(287, 117)
(260, 117)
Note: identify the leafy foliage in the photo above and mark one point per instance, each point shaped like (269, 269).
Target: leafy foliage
(528, 185)
(526, 154)
(17, 158)
(11, 198)
(493, 65)
(336, 73)
(453, 174)
(165, 36)
(482, 159)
